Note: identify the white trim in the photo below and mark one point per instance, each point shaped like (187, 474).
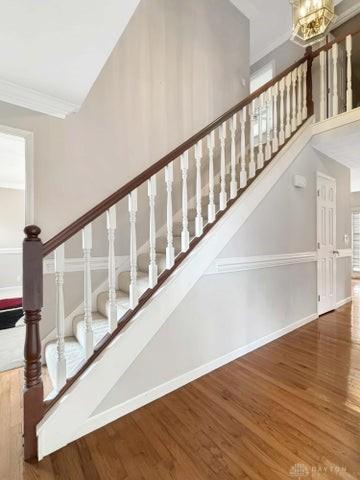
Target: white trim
(11, 251)
(10, 292)
(118, 411)
(346, 15)
(345, 252)
(335, 122)
(343, 302)
(34, 100)
(29, 168)
(239, 264)
(77, 264)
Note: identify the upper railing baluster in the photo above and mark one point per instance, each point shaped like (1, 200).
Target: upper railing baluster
(299, 101)
(211, 206)
(335, 96)
(133, 290)
(322, 103)
(111, 228)
(185, 236)
(268, 150)
(349, 92)
(170, 251)
(260, 111)
(282, 113)
(59, 261)
(153, 269)
(293, 104)
(243, 172)
(233, 182)
(199, 223)
(288, 106)
(88, 321)
(252, 165)
(223, 194)
(275, 141)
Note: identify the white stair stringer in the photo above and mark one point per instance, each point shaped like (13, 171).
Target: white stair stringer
(65, 419)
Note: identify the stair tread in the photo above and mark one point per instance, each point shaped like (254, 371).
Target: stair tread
(122, 303)
(142, 281)
(144, 258)
(99, 327)
(74, 354)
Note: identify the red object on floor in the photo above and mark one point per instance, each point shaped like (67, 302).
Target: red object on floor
(7, 303)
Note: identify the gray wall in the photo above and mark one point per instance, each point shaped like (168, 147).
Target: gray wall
(227, 311)
(177, 66)
(12, 219)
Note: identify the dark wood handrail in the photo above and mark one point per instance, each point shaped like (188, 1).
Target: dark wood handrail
(103, 206)
(329, 45)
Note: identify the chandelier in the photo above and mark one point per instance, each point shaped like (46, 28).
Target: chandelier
(311, 20)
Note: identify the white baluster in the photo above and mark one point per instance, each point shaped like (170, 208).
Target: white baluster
(294, 119)
(170, 251)
(288, 106)
(153, 269)
(299, 102)
(89, 334)
(133, 291)
(275, 141)
(335, 97)
(223, 195)
(211, 206)
(111, 227)
(282, 113)
(268, 150)
(349, 92)
(59, 257)
(243, 173)
(199, 223)
(304, 110)
(185, 237)
(260, 110)
(233, 182)
(252, 166)
(322, 86)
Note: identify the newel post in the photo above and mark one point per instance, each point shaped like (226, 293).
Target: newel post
(309, 86)
(32, 304)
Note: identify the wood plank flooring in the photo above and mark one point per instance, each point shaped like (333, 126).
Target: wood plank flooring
(290, 410)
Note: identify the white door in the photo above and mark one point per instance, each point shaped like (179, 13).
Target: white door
(326, 243)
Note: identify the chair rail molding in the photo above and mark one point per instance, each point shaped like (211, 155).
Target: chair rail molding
(11, 251)
(240, 264)
(32, 99)
(77, 264)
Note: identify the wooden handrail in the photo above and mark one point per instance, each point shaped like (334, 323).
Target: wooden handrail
(103, 206)
(329, 45)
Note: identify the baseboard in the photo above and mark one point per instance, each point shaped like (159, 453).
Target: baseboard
(343, 302)
(118, 411)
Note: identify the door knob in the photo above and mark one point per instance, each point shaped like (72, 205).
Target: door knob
(336, 253)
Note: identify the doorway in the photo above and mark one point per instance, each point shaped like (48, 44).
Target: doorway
(16, 210)
(326, 243)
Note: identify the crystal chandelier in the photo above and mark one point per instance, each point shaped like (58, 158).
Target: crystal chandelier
(311, 20)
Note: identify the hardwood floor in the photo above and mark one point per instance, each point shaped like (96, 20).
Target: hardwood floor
(288, 410)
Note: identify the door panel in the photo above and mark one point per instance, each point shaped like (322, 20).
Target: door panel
(326, 243)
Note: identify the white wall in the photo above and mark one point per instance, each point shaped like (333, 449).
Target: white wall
(177, 67)
(12, 220)
(225, 312)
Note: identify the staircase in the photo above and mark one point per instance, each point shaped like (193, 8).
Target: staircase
(222, 161)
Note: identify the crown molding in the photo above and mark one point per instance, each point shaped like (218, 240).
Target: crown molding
(346, 15)
(34, 100)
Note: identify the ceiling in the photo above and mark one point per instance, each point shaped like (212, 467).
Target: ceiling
(270, 24)
(12, 162)
(53, 50)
